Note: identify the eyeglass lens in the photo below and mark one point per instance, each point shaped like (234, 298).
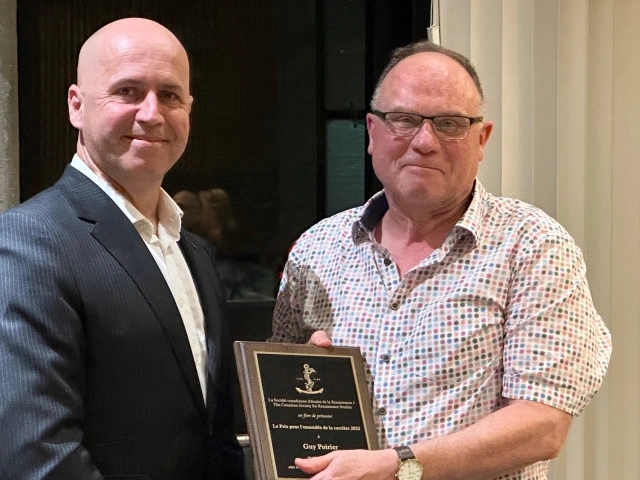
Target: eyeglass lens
(404, 124)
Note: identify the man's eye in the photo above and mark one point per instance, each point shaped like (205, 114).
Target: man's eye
(449, 123)
(409, 121)
(170, 97)
(125, 91)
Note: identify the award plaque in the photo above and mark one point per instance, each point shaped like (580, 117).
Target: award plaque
(302, 401)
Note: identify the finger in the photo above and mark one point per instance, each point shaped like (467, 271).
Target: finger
(320, 339)
(314, 464)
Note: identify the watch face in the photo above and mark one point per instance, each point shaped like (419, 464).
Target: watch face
(409, 470)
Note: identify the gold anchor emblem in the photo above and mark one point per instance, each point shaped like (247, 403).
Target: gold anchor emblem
(306, 373)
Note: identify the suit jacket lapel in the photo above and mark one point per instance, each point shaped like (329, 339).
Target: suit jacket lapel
(204, 278)
(121, 239)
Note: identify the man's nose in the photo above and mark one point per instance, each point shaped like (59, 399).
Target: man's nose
(148, 110)
(426, 134)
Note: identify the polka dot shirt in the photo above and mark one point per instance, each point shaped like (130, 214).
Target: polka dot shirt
(501, 309)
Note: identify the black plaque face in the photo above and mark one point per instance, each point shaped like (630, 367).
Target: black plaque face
(312, 406)
(302, 401)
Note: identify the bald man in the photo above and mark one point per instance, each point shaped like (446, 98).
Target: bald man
(114, 351)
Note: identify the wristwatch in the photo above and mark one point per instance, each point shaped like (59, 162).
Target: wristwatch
(409, 467)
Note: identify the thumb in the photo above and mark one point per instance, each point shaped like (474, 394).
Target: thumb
(319, 338)
(313, 465)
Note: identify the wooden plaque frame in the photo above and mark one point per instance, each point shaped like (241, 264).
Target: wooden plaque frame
(300, 401)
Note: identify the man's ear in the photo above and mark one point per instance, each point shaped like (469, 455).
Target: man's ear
(370, 128)
(484, 134)
(75, 101)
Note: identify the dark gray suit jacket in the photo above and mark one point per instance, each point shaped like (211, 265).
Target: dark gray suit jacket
(97, 378)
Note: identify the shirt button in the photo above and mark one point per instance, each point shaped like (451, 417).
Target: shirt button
(382, 411)
(387, 261)
(394, 306)
(386, 357)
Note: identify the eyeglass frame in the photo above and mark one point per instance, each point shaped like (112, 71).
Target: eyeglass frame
(383, 116)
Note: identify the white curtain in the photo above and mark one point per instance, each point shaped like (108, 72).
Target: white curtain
(562, 82)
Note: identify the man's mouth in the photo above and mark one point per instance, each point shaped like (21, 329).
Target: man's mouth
(144, 138)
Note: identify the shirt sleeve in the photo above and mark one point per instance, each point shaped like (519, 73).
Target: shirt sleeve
(288, 324)
(557, 347)
(41, 358)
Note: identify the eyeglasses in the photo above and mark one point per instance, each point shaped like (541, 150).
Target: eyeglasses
(449, 127)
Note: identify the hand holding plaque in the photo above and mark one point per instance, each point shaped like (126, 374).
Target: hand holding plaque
(302, 401)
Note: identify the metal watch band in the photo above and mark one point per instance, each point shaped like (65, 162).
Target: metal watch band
(404, 453)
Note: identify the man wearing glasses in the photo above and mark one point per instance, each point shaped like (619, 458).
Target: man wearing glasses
(472, 312)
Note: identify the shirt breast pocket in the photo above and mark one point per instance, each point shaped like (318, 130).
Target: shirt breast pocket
(456, 338)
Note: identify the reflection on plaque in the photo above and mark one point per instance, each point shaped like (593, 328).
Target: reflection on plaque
(302, 401)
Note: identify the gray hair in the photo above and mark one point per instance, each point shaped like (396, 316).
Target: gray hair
(421, 47)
